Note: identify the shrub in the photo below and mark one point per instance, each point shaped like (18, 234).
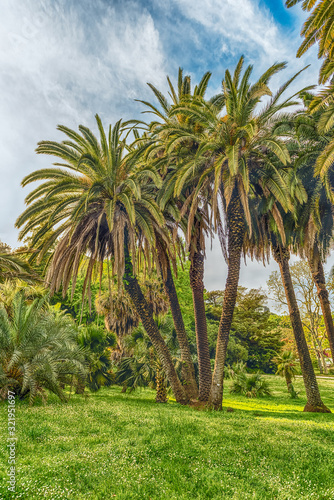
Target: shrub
(251, 386)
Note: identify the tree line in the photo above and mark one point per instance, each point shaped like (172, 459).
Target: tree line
(238, 165)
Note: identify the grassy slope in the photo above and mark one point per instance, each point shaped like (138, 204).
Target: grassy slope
(128, 447)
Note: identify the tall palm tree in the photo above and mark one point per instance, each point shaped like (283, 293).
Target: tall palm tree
(281, 255)
(99, 202)
(277, 229)
(316, 219)
(318, 28)
(159, 131)
(231, 150)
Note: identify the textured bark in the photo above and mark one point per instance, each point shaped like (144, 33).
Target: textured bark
(236, 229)
(203, 353)
(188, 371)
(161, 396)
(318, 275)
(314, 402)
(133, 289)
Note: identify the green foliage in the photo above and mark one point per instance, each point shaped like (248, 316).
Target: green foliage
(318, 28)
(97, 343)
(184, 293)
(251, 386)
(14, 266)
(288, 367)
(309, 307)
(143, 367)
(287, 364)
(76, 306)
(38, 349)
(255, 333)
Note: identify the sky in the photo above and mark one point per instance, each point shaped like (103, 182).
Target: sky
(63, 61)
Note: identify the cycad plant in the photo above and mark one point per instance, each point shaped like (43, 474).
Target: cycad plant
(98, 201)
(38, 350)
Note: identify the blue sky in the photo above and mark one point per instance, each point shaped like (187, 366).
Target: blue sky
(62, 61)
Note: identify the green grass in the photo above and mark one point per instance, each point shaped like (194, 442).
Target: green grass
(112, 445)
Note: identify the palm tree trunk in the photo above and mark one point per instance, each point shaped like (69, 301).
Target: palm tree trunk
(318, 275)
(236, 228)
(288, 382)
(314, 402)
(161, 396)
(133, 289)
(188, 371)
(197, 286)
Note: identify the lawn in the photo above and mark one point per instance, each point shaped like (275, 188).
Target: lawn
(113, 445)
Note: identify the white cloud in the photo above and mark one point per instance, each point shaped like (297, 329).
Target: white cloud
(61, 62)
(246, 28)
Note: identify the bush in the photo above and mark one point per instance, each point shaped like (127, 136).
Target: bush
(251, 386)
(236, 369)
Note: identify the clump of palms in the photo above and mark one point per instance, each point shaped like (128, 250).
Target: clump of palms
(287, 367)
(38, 350)
(232, 158)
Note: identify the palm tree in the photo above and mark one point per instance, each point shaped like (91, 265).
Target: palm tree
(287, 367)
(231, 150)
(38, 350)
(281, 255)
(120, 317)
(281, 231)
(278, 231)
(318, 28)
(99, 202)
(316, 220)
(159, 131)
